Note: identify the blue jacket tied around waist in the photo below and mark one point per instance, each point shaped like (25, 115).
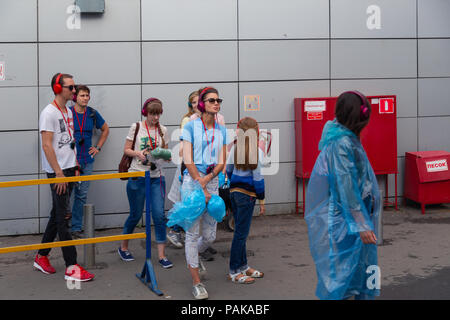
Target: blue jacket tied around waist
(342, 199)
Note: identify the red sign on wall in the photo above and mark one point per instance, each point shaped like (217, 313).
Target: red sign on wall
(314, 115)
(386, 105)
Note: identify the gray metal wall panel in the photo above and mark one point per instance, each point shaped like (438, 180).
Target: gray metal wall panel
(434, 133)
(404, 89)
(434, 97)
(373, 58)
(91, 63)
(22, 108)
(283, 19)
(277, 98)
(114, 191)
(406, 135)
(12, 227)
(433, 18)
(434, 57)
(18, 202)
(167, 62)
(189, 20)
(20, 64)
(283, 60)
(286, 133)
(22, 153)
(13, 29)
(109, 157)
(120, 22)
(119, 105)
(353, 19)
(175, 100)
(280, 188)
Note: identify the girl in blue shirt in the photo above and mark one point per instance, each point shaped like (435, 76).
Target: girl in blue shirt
(246, 185)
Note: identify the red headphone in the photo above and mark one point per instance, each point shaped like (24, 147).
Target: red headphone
(57, 87)
(201, 104)
(144, 106)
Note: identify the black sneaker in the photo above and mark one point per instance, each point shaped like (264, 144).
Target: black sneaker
(211, 250)
(77, 235)
(206, 256)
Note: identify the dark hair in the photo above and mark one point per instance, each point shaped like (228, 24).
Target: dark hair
(203, 92)
(348, 111)
(61, 79)
(82, 87)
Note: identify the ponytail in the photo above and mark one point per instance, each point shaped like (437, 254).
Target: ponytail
(161, 135)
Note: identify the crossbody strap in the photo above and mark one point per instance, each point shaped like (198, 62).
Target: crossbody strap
(135, 134)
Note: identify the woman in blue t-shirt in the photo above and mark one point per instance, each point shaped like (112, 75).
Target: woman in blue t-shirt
(204, 142)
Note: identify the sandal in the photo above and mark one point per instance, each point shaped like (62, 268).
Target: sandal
(254, 274)
(240, 278)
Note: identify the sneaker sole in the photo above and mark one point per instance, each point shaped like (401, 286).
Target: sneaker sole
(127, 260)
(38, 267)
(167, 267)
(200, 297)
(76, 279)
(175, 244)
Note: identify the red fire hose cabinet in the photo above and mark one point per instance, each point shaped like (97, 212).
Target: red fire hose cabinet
(427, 177)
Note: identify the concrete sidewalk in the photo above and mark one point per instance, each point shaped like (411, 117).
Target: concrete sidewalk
(414, 255)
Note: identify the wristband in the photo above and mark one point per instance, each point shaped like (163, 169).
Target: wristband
(98, 148)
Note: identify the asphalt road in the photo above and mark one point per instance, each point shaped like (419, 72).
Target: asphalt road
(413, 261)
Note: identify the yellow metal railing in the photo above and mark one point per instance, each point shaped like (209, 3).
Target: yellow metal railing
(29, 247)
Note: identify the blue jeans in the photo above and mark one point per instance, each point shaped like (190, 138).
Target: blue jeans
(80, 196)
(136, 199)
(242, 206)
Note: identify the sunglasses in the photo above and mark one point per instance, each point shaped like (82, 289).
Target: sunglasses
(212, 100)
(71, 87)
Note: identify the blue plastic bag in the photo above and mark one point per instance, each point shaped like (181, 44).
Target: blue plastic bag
(342, 200)
(216, 207)
(190, 208)
(221, 177)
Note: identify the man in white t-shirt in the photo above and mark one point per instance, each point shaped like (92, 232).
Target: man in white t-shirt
(59, 161)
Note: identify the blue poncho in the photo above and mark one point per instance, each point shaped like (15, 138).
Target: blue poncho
(342, 199)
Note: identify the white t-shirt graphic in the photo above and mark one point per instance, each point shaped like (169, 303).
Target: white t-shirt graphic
(52, 120)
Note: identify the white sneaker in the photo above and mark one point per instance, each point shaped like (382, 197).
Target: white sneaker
(175, 239)
(199, 291)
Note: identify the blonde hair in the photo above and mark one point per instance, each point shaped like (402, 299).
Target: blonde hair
(191, 108)
(246, 144)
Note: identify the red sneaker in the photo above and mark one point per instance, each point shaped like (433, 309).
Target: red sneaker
(77, 273)
(42, 264)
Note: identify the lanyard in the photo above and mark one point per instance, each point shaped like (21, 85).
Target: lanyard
(67, 126)
(78, 120)
(149, 138)
(81, 126)
(65, 121)
(212, 140)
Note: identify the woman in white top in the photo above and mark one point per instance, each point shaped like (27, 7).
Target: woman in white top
(151, 135)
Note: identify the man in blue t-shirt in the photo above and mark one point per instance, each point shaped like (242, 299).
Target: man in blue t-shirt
(85, 119)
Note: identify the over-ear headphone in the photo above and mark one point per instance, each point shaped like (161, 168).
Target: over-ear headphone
(364, 109)
(144, 106)
(57, 87)
(201, 103)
